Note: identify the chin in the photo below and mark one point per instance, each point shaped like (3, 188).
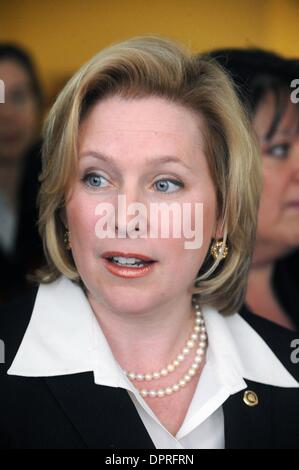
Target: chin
(125, 300)
(129, 306)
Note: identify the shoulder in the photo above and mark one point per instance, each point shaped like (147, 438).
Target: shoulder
(14, 319)
(285, 283)
(280, 340)
(262, 417)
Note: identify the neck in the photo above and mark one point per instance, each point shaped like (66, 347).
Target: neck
(259, 285)
(261, 272)
(147, 340)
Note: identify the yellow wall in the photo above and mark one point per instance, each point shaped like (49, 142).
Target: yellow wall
(283, 26)
(63, 34)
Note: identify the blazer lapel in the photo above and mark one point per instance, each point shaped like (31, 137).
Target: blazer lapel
(105, 417)
(245, 426)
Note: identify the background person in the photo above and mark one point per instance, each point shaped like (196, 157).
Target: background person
(20, 119)
(263, 82)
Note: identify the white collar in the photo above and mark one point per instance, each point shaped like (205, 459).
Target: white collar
(63, 337)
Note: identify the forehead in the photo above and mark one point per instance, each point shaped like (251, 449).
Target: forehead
(144, 123)
(13, 73)
(288, 125)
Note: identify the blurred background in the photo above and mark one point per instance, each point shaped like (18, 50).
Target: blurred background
(61, 35)
(42, 43)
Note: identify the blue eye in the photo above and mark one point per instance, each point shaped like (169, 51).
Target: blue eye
(93, 180)
(279, 151)
(164, 185)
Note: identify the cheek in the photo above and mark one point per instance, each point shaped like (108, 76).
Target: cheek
(272, 194)
(81, 220)
(190, 250)
(30, 119)
(182, 264)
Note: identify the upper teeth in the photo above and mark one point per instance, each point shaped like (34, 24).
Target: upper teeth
(122, 260)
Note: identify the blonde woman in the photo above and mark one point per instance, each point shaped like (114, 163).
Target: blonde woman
(133, 340)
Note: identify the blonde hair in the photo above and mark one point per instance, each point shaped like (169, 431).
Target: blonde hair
(150, 66)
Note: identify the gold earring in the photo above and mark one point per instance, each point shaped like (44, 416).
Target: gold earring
(216, 248)
(66, 240)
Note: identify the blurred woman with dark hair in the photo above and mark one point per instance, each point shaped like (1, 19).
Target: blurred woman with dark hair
(263, 80)
(20, 119)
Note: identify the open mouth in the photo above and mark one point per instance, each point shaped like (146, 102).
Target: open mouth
(128, 265)
(129, 262)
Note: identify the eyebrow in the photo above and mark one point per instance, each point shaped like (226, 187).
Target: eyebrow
(283, 134)
(287, 132)
(149, 161)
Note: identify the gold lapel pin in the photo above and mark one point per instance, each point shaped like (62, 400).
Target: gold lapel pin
(250, 398)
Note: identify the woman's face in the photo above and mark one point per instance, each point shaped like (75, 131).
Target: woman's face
(278, 221)
(19, 114)
(121, 146)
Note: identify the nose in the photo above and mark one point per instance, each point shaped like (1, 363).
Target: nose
(131, 213)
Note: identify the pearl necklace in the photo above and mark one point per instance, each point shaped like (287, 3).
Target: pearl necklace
(198, 334)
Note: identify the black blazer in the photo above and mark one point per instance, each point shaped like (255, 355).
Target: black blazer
(285, 283)
(71, 412)
(28, 251)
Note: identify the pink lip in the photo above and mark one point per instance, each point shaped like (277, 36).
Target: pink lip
(109, 254)
(127, 272)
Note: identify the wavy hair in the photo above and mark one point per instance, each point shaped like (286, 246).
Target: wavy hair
(151, 66)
